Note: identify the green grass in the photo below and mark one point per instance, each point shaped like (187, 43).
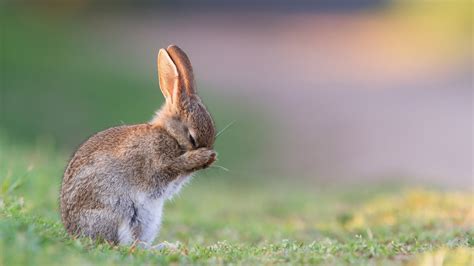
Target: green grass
(226, 219)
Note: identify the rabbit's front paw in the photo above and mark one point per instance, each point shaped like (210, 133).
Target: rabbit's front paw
(202, 158)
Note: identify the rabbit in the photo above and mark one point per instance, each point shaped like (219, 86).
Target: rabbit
(116, 183)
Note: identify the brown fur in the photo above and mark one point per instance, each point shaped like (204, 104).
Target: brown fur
(98, 186)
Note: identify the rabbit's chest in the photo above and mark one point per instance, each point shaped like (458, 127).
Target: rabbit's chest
(175, 186)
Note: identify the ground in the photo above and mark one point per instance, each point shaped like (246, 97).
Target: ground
(221, 219)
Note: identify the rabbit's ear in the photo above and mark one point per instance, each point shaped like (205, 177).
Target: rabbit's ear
(184, 67)
(168, 76)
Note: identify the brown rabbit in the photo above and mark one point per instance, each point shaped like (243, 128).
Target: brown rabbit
(116, 183)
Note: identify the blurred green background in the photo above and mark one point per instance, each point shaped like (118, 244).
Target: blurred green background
(348, 91)
(60, 85)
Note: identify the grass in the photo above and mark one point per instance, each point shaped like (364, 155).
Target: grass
(229, 219)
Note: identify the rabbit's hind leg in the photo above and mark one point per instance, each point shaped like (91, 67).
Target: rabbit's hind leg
(104, 224)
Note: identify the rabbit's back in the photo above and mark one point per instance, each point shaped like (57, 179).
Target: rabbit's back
(105, 149)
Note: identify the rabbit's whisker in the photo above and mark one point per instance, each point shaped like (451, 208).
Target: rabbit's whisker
(220, 167)
(225, 128)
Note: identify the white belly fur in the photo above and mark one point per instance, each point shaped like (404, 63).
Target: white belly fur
(149, 213)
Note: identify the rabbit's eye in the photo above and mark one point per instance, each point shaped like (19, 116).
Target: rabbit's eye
(192, 140)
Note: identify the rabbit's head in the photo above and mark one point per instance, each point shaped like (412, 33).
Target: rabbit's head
(183, 115)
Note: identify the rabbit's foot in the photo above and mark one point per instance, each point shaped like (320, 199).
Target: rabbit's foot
(166, 246)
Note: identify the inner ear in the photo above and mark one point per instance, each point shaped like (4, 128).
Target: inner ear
(168, 76)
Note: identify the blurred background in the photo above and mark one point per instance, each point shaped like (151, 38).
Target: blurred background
(320, 91)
